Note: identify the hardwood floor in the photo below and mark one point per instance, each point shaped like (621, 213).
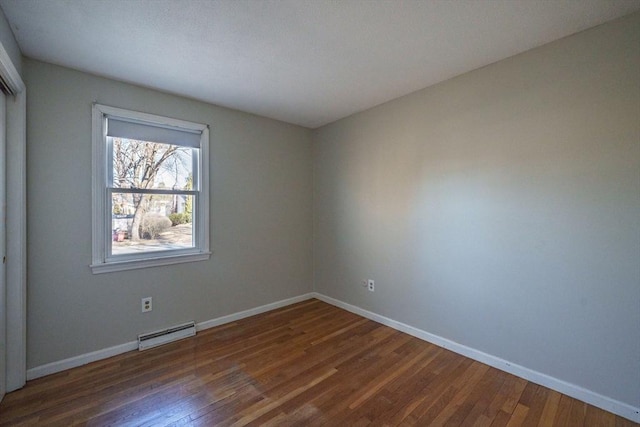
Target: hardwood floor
(307, 364)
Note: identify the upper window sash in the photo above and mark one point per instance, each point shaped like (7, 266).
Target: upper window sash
(128, 147)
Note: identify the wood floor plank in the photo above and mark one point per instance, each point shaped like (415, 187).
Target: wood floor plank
(578, 411)
(550, 409)
(596, 417)
(518, 416)
(482, 397)
(535, 403)
(308, 364)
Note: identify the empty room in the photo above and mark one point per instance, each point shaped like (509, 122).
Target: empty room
(320, 212)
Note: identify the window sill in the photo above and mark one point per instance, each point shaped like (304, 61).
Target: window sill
(112, 266)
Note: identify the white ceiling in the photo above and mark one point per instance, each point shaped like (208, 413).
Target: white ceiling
(307, 62)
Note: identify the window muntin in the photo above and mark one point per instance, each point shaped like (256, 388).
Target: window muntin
(150, 195)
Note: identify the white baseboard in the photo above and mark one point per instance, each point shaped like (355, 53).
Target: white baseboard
(575, 391)
(251, 312)
(83, 359)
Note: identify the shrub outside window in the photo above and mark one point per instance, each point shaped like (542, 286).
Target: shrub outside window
(150, 190)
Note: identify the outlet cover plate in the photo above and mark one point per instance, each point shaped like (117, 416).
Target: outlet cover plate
(147, 304)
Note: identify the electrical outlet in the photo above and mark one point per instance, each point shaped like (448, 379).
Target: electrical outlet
(371, 285)
(147, 304)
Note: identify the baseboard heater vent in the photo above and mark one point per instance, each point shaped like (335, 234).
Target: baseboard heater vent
(164, 336)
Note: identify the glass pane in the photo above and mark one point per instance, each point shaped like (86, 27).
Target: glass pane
(150, 222)
(151, 165)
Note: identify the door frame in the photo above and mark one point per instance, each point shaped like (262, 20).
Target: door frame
(16, 235)
(3, 242)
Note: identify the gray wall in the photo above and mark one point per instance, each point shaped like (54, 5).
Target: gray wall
(500, 209)
(9, 43)
(261, 219)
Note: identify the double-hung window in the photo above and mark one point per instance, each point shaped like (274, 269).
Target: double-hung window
(150, 190)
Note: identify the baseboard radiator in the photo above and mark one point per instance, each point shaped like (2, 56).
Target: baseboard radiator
(175, 333)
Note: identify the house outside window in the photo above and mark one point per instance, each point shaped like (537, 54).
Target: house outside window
(150, 190)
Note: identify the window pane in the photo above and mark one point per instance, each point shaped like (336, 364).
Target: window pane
(150, 222)
(151, 165)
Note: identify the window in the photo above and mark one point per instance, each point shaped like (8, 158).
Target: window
(150, 190)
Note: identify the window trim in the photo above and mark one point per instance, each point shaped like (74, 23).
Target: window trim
(102, 262)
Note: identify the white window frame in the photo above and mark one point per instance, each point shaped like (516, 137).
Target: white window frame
(101, 225)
